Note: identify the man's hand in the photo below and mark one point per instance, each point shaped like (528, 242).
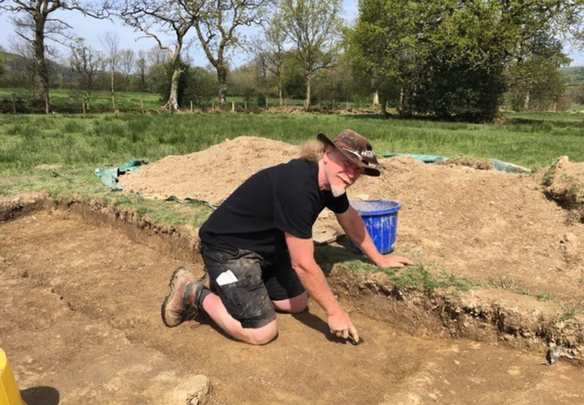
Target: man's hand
(341, 326)
(393, 261)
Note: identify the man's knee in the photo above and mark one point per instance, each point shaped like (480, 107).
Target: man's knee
(299, 304)
(293, 305)
(263, 335)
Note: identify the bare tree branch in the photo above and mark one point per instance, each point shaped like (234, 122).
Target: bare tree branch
(33, 16)
(217, 27)
(155, 18)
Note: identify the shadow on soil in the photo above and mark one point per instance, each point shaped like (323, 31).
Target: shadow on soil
(40, 396)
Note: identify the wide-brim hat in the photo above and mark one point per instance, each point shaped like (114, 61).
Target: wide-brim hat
(354, 147)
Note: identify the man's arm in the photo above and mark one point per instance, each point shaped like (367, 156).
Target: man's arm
(313, 280)
(353, 226)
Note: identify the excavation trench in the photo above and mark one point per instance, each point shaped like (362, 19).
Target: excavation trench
(81, 288)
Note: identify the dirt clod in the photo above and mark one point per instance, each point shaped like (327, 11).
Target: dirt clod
(564, 182)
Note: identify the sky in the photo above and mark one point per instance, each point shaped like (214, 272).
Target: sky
(93, 31)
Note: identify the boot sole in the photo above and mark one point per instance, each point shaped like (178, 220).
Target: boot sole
(177, 273)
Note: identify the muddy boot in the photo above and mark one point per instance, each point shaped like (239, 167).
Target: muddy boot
(185, 291)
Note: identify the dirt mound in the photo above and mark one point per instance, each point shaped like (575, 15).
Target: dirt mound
(480, 164)
(564, 183)
(487, 226)
(210, 175)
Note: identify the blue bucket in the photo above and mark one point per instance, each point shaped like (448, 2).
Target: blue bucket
(380, 219)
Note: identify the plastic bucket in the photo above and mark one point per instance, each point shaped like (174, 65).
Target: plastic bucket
(380, 219)
(9, 393)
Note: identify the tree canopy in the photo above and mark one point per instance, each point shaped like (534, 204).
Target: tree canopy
(448, 57)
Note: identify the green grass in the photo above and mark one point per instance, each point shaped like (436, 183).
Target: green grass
(81, 143)
(75, 145)
(70, 101)
(421, 275)
(26, 141)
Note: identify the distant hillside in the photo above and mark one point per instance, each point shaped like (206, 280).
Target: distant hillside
(3, 57)
(14, 64)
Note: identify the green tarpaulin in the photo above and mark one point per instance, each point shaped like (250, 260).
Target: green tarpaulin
(497, 164)
(109, 177)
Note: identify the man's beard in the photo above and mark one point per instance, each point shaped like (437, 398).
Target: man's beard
(338, 190)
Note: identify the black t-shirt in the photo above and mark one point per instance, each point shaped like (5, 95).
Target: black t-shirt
(282, 198)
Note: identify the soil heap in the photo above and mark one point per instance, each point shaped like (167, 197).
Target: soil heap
(480, 224)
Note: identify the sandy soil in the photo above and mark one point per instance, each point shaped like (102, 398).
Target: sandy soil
(81, 288)
(480, 224)
(81, 324)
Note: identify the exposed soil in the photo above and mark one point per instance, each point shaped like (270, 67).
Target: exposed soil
(81, 292)
(564, 183)
(81, 288)
(480, 224)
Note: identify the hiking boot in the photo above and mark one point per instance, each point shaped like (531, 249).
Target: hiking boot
(185, 290)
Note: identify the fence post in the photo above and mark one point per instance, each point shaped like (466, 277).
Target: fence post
(191, 105)
(83, 106)
(233, 106)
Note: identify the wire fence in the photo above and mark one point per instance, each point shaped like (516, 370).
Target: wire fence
(17, 103)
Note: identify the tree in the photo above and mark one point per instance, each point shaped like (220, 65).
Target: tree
(535, 82)
(35, 23)
(200, 86)
(313, 26)
(22, 66)
(174, 17)
(448, 57)
(111, 43)
(2, 61)
(142, 68)
(217, 32)
(87, 63)
(195, 85)
(272, 51)
(155, 55)
(387, 48)
(127, 62)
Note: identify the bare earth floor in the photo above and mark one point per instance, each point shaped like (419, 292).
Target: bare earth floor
(81, 324)
(81, 286)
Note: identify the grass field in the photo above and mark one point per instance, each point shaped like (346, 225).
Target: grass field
(70, 101)
(78, 144)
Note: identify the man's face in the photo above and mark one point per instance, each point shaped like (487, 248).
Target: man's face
(341, 173)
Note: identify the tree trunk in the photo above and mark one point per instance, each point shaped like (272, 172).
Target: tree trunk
(403, 108)
(280, 93)
(222, 77)
(308, 86)
(383, 104)
(172, 103)
(112, 90)
(376, 99)
(42, 67)
(526, 102)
